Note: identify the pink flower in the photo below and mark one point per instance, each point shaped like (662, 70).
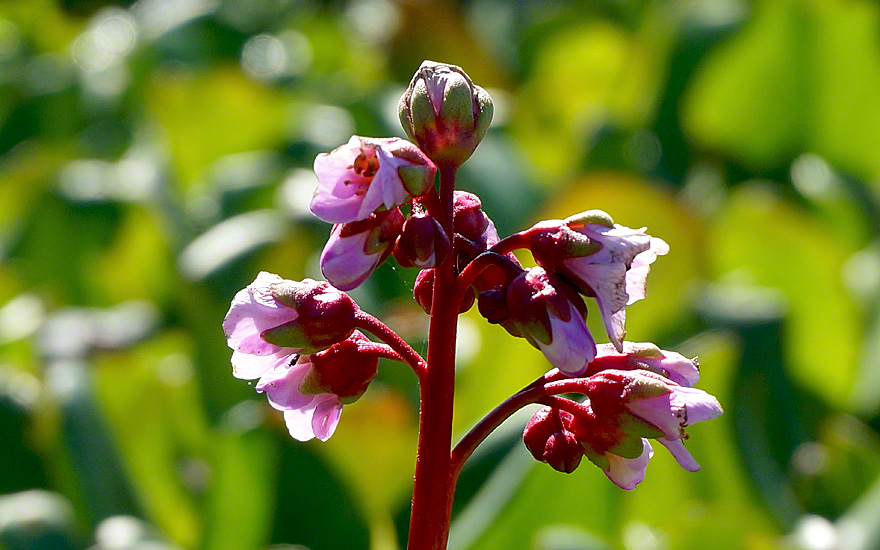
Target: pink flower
(355, 250)
(550, 315)
(311, 389)
(602, 259)
(274, 318)
(617, 273)
(366, 175)
(649, 405)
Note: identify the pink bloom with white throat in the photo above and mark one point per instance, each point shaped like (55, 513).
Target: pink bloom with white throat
(649, 405)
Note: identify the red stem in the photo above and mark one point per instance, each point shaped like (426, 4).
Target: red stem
(541, 390)
(434, 481)
(380, 330)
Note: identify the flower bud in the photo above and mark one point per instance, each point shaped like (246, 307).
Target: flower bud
(445, 113)
(550, 315)
(422, 242)
(423, 292)
(355, 250)
(326, 316)
(649, 405)
(342, 369)
(468, 218)
(623, 457)
(549, 438)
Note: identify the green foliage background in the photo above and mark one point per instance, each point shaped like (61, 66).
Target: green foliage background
(155, 155)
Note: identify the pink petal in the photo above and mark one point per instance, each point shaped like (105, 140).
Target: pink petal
(572, 347)
(281, 385)
(326, 417)
(253, 311)
(679, 369)
(339, 198)
(626, 473)
(299, 421)
(344, 263)
(660, 412)
(682, 456)
(671, 412)
(248, 367)
(699, 405)
(318, 418)
(637, 276)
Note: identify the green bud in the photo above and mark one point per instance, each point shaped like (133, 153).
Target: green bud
(445, 113)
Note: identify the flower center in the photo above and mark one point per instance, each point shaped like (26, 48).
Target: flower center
(366, 164)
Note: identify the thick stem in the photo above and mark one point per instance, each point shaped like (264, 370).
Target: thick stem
(434, 481)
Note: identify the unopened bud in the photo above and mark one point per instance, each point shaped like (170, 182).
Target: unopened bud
(422, 243)
(354, 250)
(423, 292)
(325, 315)
(445, 113)
(549, 438)
(342, 369)
(468, 218)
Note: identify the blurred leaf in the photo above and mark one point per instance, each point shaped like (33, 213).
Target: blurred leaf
(237, 115)
(313, 506)
(153, 405)
(766, 241)
(37, 520)
(97, 472)
(800, 76)
(139, 264)
(374, 448)
(242, 487)
(586, 73)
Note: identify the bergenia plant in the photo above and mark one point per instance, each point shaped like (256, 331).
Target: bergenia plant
(312, 350)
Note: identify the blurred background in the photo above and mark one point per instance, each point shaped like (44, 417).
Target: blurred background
(155, 155)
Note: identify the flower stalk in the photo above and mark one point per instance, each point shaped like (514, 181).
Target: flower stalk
(309, 345)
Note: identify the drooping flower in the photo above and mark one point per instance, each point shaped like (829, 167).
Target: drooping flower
(602, 259)
(311, 389)
(550, 315)
(355, 250)
(366, 175)
(274, 318)
(649, 405)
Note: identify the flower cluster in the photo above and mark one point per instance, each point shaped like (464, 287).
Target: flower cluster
(298, 340)
(632, 396)
(303, 341)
